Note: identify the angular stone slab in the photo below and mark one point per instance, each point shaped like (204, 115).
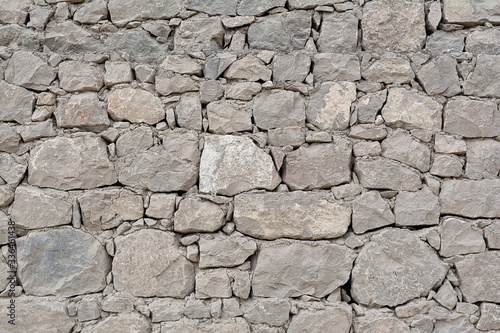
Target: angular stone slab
(17, 103)
(132, 322)
(125, 11)
(235, 325)
(483, 159)
(27, 70)
(395, 267)
(403, 147)
(136, 106)
(278, 108)
(383, 173)
(471, 118)
(339, 33)
(417, 208)
(471, 11)
(300, 215)
(147, 263)
(198, 216)
(225, 251)
(286, 270)
(199, 34)
(484, 80)
(83, 110)
(371, 211)
(336, 67)
(333, 318)
(62, 262)
(459, 237)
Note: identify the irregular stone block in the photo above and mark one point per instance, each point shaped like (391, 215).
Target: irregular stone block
(370, 212)
(92, 12)
(471, 11)
(309, 4)
(9, 139)
(123, 12)
(136, 106)
(147, 263)
(78, 264)
(27, 70)
(68, 37)
(225, 251)
(444, 41)
(291, 67)
(166, 309)
(369, 106)
(183, 144)
(135, 141)
(300, 215)
(287, 136)
(417, 208)
(402, 147)
(440, 77)
(34, 131)
(213, 283)
(79, 76)
(83, 110)
(278, 108)
(226, 117)
(188, 111)
(17, 103)
(71, 163)
(123, 322)
(483, 159)
(391, 68)
(446, 166)
(490, 317)
(334, 316)
(258, 7)
(492, 235)
(116, 73)
(270, 311)
(182, 64)
(448, 144)
(378, 321)
(138, 43)
(198, 216)
(161, 206)
(459, 237)
(382, 173)
(249, 68)
(483, 41)
(199, 34)
(243, 91)
(336, 67)
(339, 33)
(216, 7)
(485, 79)
(12, 169)
(368, 132)
(286, 270)
(235, 325)
(214, 67)
(14, 12)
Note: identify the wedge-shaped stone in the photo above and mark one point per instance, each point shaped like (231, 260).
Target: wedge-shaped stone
(478, 276)
(12, 169)
(483, 159)
(471, 11)
(417, 208)
(123, 12)
(198, 216)
(286, 270)
(479, 198)
(395, 267)
(231, 165)
(333, 318)
(136, 106)
(278, 108)
(71, 163)
(183, 144)
(34, 208)
(83, 110)
(27, 70)
(158, 170)
(17, 103)
(485, 79)
(199, 34)
(459, 237)
(402, 147)
(300, 215)
(133, 322)
(370, 211)
(62, 262)
(471, 118)
(383, 173)
(225, 251)
(492, 235)
(148, 263)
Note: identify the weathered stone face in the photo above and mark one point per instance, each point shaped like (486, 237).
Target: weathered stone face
(136, 106)
(338, 316)
(17, 103)
(459, 237)
(471, 11)
(339, 33)
(235, 325)
(402, 147)
(198, 216)
(391, 68)
(80, 76)
(61, 262)
(418, 268)
(336, 67)
(417, 208)
(224, 251)
(483, 159)
(123, 12)
(370, 211)
(83, 110)
(147, 263)
(121, 323)
(484, 79)
(29, 71)
(225, 117)
(471, 118)
(199, 34)
(439, 77)
(275, 108)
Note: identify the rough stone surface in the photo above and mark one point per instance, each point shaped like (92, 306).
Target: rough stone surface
(123, 12)
(120, 323)
(249, 68)
(336, 67)
(226, 117)
(275, 108)
(336, 317)
(213, 283)
(459, 237)
(271, 311)
(483, 159)
(382, 173)
(417, 208)
(27, 70)
(471, 11)
(135, 141)
(490, 317)
(258, 7)
(391, 68)
(370, 212)
(439, 77)
(483, 81)
(339, 33)
(17, 103)
(445, 165)
(492, 235)
(83, 110)
(402, 147)
(235, 325)
(80, 76)
(198, 216)
(378, 321)
(224, 251)
(471, 118)
(136, 106)
(188, 111)
(199, 34)
(291, 67)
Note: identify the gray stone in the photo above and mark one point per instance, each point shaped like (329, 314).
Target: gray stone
(280, 32)
(147, 263)
(216, 7)
(166, 309)
(214, 67)
(483, 41)
(402, 147)
(391, 68)
(243, 91)
(134, 322)
(116, 73)
(370, 212)
(278, 108)
(188, 111)
(107, 209)
(417, 208)
(34, 208)
(291, 67)
(158, 170)
(137, 43)
(369, 105)
(339, 33)
(346, 190)
(452, 322)
(6, 198)
(238, 21)
(471, 11)
(182, 64)
(300, 215)
(478, 275)
(367, 149)
(443, 41)
(270, 311)
(225, 251)
(34, 131)
(236, 325)
(39, 17)
(449, 145)
(226, 117)
(490, 317)
(287, 136)
(483, 159)
(285, 270)
(336, 67)
(309, 4)
(197, 309)
(439, 77)
(445, 165)
(77, 264)
(88, 309)
(480, 198)
(159, 28)
(379, 321)
(183, 144)
(27, 70)
(166, 85)
(9, 139)
(434, 16)
(79, 76)
(71, 163)
(410, 109)
(401, 266)
(136, 106)
(199, 34)
(248, 68)
(336, 318)
(393, 25)
(471, 118)
(123, 12)
(135, 141)
(198, 216)
(12, 169)
(210, 91)
(14, 12)
(368, 132)
(382, 173)
(91, 12)
(492, 235)
(17, 103)
(484, 80)
(213, 283)
(330, 105)
(67, 37)
(161, 206)
(83, 110)
(318, 166)
(258, 7)
(459, 237)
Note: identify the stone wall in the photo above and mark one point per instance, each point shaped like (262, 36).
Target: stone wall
(250, 166)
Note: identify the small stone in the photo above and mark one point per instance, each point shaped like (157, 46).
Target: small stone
(27, 70)
(238, 21)
(135, 141)
(198, 216)
(12, 170)
(490, 317)
(83, 110)
(448, 144)
(145, 73)
(433, 16)
(368, 132)
(182, 64)
(116, 73)
(225, 251)
(442, 41)
(287, 136)
(79, 76)
(471, 118)
(367, 149)
(417, 208)
(17, 103)
(270, 311)
(166, 309)
(346, 191)
(88, 309)
(161, 206)
(136, 106)
(318, 137)
(43, 113)
(492, 235)
(278, 108)
(199, 34)
(243, 91)
(446, 166)
(214, 67)
(226, 117)
(210, 91)
(391, 68)
(439, 77)
(402, 147)
(459, 237)
(9, 139)
(249, 68)
(336, 67)
(120, 323)
(379, 320)
(213, 283)
(6, 198)
(369, 105)
(291, 67)
(197, 310)
(34, 131)
(483, 159)
(183, 144)
(192, 253)
(188, 111)
(370, 212)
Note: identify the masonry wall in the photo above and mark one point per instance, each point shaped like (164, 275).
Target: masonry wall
(249, 166)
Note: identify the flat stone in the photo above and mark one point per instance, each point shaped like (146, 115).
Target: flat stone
(367, 149)
(395, 250)
(443, 41)
(492, 235)
(270, 311)
(14, 12)
(213, 283)
(238, 21)
(136, 106)
(71, 163)
(12, 170)
(370, 212)
(336, 67)
(159, 28)
(214, 67)
(226, 117)
(490, 317)
(34, 131)
(243, 91)
(137, 43)
(183, 144)
(330, 106)
(445, 165)
(459, 237)
(9, 139)
(83, 110)
(310, 4)
(34, 208)
(166, 309)
(161, 206)
(107, 209)
(318, 166)
(393, 25)
(300, 215)
(147, 263)
(92, 12)
(378, 321)
(334, 316)
(368, 132)
(339, 33)
(27, 70)
(248, 68)
(478, 275)
(410, 109)
(121, 323)
(217, 7)
(225, 251)
(199, 34)
(471, 118)
(135, 141)
(291, 67)
(17, 102)
(440, 77)
(369, 105)
(116, 73)
(68, 37)
(235, 325)
(210, 91)
(194, 215)
(231, 165)
(79, 76)
(123, 12)
(258, 7)
(484, 80)
(182, 64)
(483, 159)
(448, 144)
(278, 108)
(417, 208)
(479, 198)
(382, 173)
(402, 147)
(483, 41)
(284, 270)
(471, 11)
(78, 264)
(287, 136)
(391, 68)
(159, 171)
